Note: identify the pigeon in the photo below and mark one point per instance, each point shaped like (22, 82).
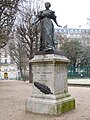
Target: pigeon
(43, 88)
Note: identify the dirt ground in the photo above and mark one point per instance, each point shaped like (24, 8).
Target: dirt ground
(14, 93)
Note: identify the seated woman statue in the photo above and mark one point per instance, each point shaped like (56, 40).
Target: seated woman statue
(47, 28)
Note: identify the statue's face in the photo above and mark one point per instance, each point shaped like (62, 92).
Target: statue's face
(47, 5)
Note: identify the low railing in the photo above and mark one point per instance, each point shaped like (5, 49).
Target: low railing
(78, 72)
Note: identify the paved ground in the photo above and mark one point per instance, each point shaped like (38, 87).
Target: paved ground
(82, 82)
(14, 93)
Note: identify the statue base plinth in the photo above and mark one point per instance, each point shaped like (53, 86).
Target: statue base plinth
(50, 69)
(49, 104)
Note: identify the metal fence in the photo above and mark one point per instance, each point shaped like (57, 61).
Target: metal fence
(78, 72)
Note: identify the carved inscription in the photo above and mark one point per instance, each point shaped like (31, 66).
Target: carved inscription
(43, 73)
(45, 76)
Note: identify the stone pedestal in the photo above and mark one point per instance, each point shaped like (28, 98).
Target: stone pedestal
(50, 69)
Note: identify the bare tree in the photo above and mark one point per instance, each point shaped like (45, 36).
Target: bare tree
(28, 34)
(18, 54)
(27, 39)
(72, 50)
(61, 39)
(85, 61)
(8, 9)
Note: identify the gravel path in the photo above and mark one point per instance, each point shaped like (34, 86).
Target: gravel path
(14, 93)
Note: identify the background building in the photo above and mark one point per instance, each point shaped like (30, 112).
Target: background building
(83, 35)
(8, 69)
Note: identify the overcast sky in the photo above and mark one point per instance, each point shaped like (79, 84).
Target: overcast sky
(71, 12)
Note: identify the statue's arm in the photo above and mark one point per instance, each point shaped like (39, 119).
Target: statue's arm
(56, 22)
(53, 16)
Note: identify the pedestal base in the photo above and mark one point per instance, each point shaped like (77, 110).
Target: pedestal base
(50, 70)
(51, 104)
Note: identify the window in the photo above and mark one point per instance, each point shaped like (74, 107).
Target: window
(5, 54)
(11, 61)
(5, 60)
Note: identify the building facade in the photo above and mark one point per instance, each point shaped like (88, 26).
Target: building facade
(8, 69)
(73, 32)
(83, 35)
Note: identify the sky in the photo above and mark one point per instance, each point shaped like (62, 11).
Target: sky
(73, 13)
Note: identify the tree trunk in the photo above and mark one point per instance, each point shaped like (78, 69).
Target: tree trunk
(30, 73)
(36, 33)
(21, 73)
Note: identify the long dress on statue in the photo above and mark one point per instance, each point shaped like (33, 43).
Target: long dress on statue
(47, 30)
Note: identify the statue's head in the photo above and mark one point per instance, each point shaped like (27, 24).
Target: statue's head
(47, 5)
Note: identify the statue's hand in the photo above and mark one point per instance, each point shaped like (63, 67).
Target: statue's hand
(59, 26)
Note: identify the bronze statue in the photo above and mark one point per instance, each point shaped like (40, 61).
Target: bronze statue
(47, 28)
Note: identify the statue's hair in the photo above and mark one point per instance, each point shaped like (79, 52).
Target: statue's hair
(48, 3)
